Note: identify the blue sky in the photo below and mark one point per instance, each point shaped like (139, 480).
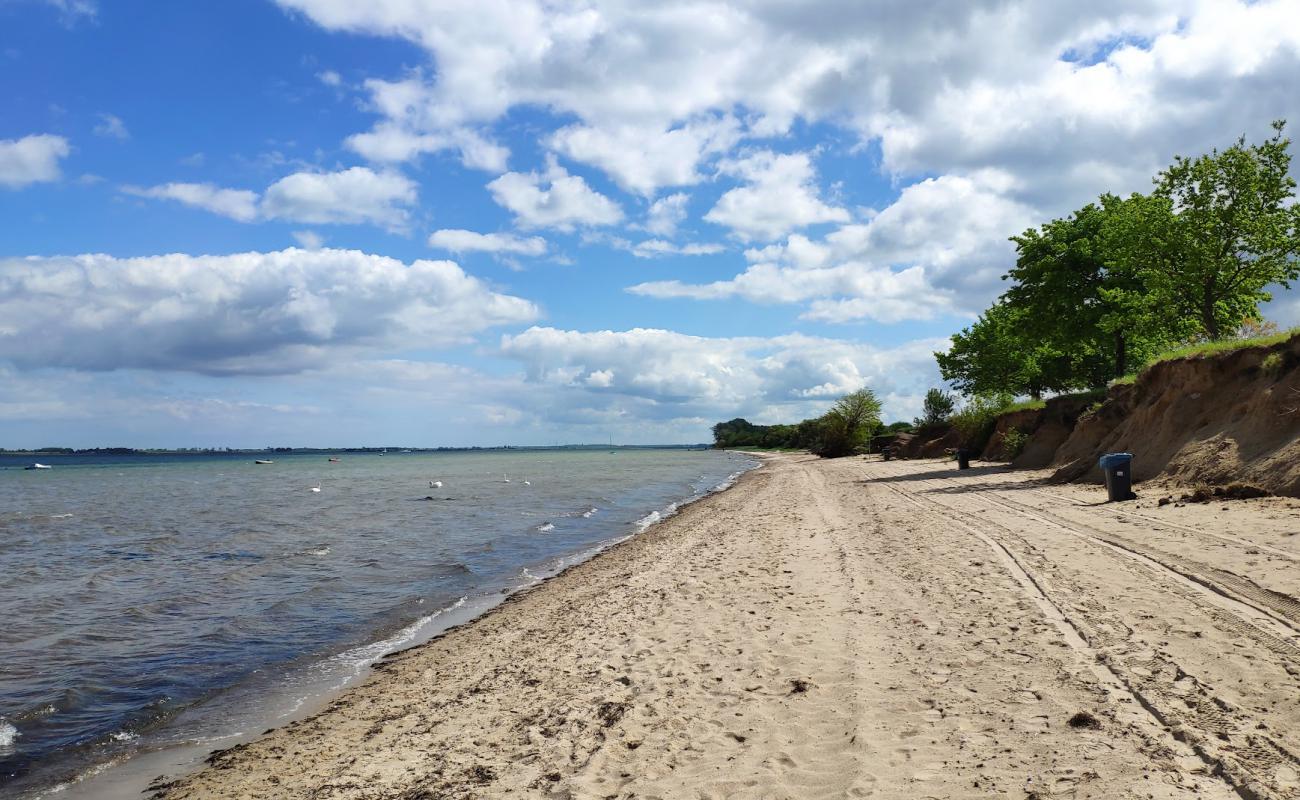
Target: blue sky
(315, 222)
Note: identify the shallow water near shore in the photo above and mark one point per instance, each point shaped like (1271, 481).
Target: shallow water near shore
(158, 603)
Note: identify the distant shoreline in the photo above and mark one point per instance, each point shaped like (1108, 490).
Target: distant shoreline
(233, 451)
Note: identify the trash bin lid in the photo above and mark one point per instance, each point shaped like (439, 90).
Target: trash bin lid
(1112, 460)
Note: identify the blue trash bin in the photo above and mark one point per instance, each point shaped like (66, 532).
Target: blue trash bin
(1118, 468)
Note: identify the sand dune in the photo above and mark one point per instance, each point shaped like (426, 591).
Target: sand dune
(848, 628)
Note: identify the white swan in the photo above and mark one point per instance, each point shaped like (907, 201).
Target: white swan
(435, 484)
(316, 488)
(504, 479)
(528, 483)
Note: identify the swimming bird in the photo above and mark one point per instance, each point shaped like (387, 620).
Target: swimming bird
(435, 484)
(316, 488)
(504, 479)
(528, 483)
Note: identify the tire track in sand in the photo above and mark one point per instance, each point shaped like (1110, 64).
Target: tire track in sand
(1254, 765)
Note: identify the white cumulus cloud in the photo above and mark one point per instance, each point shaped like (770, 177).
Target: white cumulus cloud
(258, 313)
(780, 195)
(553, 199)
(351, 196)
(31, 159)
(237, 204)
(660, 374)
(462, 241)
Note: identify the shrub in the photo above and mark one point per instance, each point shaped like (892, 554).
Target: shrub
(1013, 442)
(974, 422)
(1272, 364)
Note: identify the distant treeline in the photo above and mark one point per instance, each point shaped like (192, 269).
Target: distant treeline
(844, 430)
(1097, 294)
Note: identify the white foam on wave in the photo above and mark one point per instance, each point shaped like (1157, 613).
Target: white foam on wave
(589, 512)
(8, 734)
(729, 482)
(123, 736)
(655, 517)
(356, 660)
(545, 527)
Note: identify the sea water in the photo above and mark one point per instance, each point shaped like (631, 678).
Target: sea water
(154, 603)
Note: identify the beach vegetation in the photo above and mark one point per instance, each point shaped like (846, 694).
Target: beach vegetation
(843, 430)
(938, 406)
(1123, 283)
(975, 420)
(1013, 442)
(849, 425)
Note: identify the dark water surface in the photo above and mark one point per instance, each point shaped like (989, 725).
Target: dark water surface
(153, 602)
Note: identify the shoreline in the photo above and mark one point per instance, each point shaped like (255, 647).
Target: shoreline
(842, 628)
(127, 776)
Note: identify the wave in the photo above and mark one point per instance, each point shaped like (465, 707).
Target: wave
(589, 512)
(655, 517)
(8, 734)
(357, 659)
(545, 527)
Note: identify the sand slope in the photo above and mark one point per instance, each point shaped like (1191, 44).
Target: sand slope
(847, 628)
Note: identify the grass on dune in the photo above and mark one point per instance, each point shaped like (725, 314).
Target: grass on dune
(1209, 349)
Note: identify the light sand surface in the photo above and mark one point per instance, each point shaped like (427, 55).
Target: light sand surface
(848, 628)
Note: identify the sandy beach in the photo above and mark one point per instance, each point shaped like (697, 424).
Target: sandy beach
(848, 628)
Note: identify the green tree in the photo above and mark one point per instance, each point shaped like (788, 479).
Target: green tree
(998, 354)
(849, 424)
(1076, 304)
(1216, 232)
(937, 408)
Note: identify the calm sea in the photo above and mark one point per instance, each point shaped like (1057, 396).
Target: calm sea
(158, 602)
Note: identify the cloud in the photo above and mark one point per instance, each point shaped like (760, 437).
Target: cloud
(940, 248)
(657, 374)
(666, 214)
(248, 313)
(657, 248)
(112, 127)
(309, 240)
(462, 241)
(390, 144)
(642, 161)
(353, 196)
(1065, 100)
(553, 199)
(330, 78)
(73, 11)
(237, 204)
(780, 196)
(31, 159)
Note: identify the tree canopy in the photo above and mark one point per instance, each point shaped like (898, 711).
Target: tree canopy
(841, 431)
(1094, 294)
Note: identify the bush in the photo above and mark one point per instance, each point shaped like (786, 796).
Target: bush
(975, 421)
(1013, 442)
(1272, 364)
(849, 425)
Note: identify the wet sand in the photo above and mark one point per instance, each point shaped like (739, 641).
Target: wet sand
(848, 628)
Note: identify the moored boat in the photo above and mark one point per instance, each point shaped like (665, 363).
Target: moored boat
(262, 461)
(39, 466)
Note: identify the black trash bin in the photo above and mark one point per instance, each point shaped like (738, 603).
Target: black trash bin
(963, 459)
(1118, 468)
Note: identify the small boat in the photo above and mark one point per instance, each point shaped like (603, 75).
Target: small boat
(39, 466)
(336, 460)
(262, 461)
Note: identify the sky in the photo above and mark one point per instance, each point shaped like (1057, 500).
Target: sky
(483, 222)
